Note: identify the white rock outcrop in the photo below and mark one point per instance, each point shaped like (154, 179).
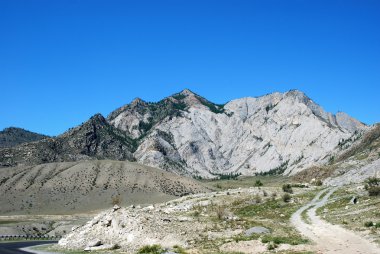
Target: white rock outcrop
(286, 132)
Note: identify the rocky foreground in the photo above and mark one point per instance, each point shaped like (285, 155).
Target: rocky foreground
(181, 222)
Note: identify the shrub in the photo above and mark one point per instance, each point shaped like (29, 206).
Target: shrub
(373, 186)
(196, 213)
(287, 188)
(179, 249)
(258, 183)
(116, 200)
(318, 183)
(331, 160)
(151, 249)
(257, 199)
(374, 191)
(220, 212)
(368, 224)
(373, 181)
(286, 197)
(272, 246)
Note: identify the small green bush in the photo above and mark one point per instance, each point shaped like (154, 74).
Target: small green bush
(179, 249)
(368, 224)
(272, 246)
(373, 186)
(283, 240)
(151, 249)
(374, 191)
(286, 197)
(287, 188)
(258, 183)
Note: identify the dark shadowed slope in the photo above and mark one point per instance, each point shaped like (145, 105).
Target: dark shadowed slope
(13, 136)
(94, 139)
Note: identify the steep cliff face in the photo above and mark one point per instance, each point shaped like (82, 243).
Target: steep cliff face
(276, 133)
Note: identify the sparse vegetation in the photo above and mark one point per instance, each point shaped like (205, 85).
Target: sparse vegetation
(283, 239)
(277, 170)
(215, 108)
(229, 176)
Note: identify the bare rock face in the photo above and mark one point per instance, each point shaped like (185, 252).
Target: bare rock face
(349, 123)
(276, 133)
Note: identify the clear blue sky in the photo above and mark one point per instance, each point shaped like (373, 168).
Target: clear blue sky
(63, 61)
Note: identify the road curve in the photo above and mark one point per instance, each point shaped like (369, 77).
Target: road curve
(20, 247)
(329, 238)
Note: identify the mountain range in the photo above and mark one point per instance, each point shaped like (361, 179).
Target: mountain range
(279, 133)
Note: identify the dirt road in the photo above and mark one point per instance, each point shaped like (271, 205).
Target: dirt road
(329, 238)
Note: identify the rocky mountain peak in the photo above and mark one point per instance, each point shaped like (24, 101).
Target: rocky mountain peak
(187, 92)
(298, 95)
(187, 97)
(99, 118)
(137, 101)
(95, 122)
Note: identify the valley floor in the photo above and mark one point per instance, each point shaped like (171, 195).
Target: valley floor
(221, 222)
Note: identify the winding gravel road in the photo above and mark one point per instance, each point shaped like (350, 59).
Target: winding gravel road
(330, 238)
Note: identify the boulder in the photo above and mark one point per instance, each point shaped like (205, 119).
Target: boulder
(94, 243)
(256, 230)
(115, 208)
